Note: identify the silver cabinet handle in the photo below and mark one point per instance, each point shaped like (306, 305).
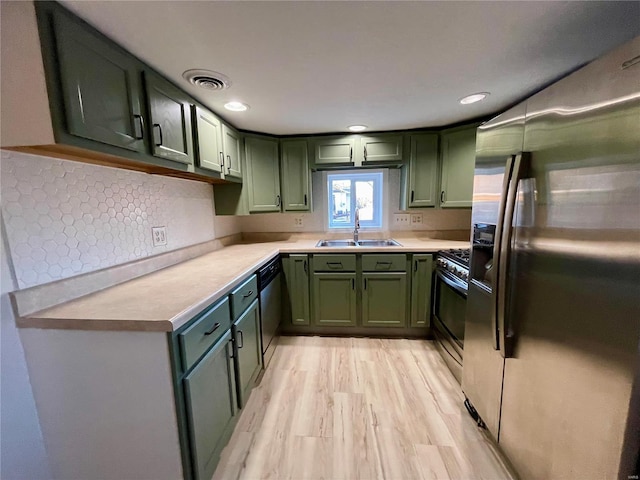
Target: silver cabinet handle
(228, 163)
(222, 159)
(141, 124)
(248, 294)
(277, 200)
(442, 195)
(159, 127)
(241, 338)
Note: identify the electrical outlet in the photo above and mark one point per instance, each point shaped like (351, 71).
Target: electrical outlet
(416, 219)
(159, 235)
(401, 218)
(298, 222)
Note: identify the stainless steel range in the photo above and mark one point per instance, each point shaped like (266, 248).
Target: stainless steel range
(449, 306)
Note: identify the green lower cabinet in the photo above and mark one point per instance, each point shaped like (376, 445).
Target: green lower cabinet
(248, 351)
(296, 270)
(211, 405)
(421, 277)
(334, 299)
(384, 299)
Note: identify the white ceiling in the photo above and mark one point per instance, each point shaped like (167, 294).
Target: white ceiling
(319, 66)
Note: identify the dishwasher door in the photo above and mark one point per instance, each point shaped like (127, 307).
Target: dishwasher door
(270, 315)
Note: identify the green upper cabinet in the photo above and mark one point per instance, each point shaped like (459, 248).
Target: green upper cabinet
(232, 147)
(295, 176)
(170, 119)
(458, 162)
(208, 139)
(334, 151)
(381, 149)
(423, 170)
(421, 276)
(100, 87)
(211, 405)
(263, 174)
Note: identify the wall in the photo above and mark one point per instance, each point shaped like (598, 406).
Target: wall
(60, 219)
(439, 222)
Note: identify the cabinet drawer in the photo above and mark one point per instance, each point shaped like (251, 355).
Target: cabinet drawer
(243, 295)
(334, 263)
(384, 263)
(197, 339)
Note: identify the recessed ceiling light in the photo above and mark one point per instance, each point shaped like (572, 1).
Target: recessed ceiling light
(358, 128)
(473, 98)
(236, 106)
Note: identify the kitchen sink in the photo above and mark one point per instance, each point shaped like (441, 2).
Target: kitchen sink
(336, 243)
(361, 243)
(378, 243)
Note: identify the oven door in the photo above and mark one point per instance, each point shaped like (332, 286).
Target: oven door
(449, 307)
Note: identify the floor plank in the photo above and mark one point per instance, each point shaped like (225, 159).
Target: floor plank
(358, 408)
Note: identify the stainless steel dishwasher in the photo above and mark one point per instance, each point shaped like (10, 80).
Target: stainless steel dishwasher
(270, 286)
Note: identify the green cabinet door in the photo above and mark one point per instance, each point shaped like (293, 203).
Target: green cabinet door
(248, 351)
(423, 170)
(296, 272)
(295, 176)
(384, 299)
(232, 147)
(208, 139)
(381, 149)
(421, 276)
(210, 402)
(100, 87)
(334, 150)
(458, 163)
(334, 299)
(263, 174)
(170, 118)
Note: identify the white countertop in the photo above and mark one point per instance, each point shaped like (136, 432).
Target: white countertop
(168, 298)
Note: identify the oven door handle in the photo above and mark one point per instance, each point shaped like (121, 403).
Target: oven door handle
(456, 285)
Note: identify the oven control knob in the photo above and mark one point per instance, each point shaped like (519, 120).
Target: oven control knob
(451, 268)
(465, 276)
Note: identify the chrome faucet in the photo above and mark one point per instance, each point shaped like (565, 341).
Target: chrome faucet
(357, 226)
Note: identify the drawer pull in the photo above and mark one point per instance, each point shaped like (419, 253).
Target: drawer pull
(231, 349)
(384, 265)
(335, 265)
(213, 329)
(241, 338)
(248, 294)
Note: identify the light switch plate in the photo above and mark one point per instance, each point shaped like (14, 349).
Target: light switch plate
(298, 222)
(416, 219)
(159, 235)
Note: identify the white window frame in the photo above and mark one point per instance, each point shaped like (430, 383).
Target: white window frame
(381, 197)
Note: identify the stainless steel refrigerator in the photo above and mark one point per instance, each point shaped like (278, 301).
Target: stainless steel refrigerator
(552, 328)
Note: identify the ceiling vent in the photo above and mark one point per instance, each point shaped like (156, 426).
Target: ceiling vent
(207, 79)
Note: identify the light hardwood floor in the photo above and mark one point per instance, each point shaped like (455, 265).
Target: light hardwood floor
(358, 408)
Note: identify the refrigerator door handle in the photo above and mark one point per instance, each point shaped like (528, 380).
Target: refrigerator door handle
(496, 251)
(520, 169)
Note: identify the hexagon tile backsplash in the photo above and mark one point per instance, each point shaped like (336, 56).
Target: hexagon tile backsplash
(65, 218)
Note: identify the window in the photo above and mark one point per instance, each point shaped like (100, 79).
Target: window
(350, 191)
